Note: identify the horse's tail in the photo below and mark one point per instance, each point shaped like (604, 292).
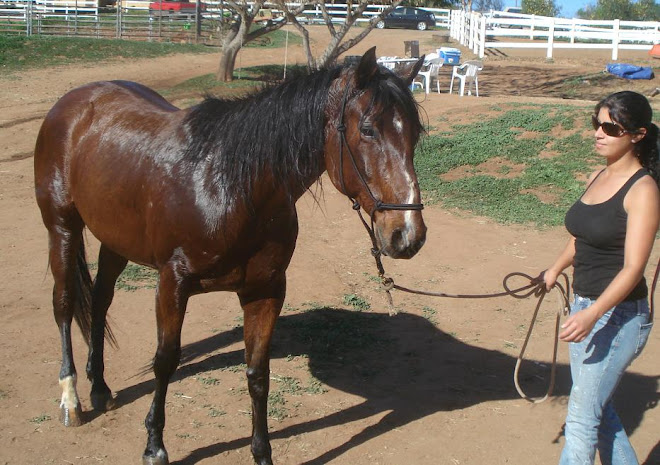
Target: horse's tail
(82, 305)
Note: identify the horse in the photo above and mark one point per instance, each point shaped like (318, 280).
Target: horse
(206, 197)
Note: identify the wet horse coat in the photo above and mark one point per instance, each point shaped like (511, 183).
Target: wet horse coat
(206, 196)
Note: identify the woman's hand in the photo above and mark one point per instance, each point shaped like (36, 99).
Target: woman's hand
(579, 325)
(550, 278)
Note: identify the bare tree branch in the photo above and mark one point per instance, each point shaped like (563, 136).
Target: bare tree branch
(338, 44)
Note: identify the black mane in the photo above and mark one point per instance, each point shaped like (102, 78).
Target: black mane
(278, 130)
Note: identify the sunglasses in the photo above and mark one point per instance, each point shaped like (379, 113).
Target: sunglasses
(611, 129)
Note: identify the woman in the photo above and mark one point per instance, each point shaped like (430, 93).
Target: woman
(613, 227)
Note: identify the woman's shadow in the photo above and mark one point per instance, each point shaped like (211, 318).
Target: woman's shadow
(402, 364)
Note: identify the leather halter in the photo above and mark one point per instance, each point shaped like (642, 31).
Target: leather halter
(379, 205)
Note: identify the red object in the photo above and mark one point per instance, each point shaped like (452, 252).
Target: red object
(655, 51)
(175, 7)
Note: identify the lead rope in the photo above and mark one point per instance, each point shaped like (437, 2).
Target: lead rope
(655, 282)
(536, 287)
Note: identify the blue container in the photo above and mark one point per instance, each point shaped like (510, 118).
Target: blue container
(451, 56)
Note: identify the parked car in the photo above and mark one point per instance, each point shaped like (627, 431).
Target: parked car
(408, 17)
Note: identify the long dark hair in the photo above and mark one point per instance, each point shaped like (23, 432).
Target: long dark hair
(633, 112)
(280, 130)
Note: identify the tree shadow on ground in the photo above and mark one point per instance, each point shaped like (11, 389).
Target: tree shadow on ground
(393, 363)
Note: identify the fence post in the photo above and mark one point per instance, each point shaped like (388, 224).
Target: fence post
(118, 19)
(573, 27)
(471, 31)
(466, 28)
(476, 25)
(461, 31)
(482, 38)
(198, 21)
(28, 18)
(551, 39)
(531, 28)
(615, 40)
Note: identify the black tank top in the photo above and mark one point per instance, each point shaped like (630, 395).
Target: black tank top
(600, 235)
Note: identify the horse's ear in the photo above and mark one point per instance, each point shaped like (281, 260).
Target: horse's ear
(409, 72)
(367, 68)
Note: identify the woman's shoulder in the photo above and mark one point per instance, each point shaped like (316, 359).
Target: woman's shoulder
(644, 192)
(646, 183)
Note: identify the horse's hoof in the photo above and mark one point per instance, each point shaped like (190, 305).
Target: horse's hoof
(71, 417)
(102, 402)
(159, 459)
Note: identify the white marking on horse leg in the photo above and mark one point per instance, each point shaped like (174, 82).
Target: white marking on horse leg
(69, 394)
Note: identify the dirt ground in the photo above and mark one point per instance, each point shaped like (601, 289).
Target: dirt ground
(429, 385)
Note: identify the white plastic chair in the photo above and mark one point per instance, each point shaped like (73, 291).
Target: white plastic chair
(428, 72)
(468, 73)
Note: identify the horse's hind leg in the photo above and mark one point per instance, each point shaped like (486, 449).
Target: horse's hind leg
(70, 298)
(110, 266)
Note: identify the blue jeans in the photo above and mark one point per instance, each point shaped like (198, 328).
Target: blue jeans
(597, 365)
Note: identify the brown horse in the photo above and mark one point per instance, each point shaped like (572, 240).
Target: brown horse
(206, 196)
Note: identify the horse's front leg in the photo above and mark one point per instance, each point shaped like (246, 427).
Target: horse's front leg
(171, 299)
(260, 308)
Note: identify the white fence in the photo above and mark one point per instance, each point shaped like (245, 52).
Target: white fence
(132, 20)
(476, 31)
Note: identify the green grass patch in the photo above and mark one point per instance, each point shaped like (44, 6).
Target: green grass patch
(276, 39)
(357, 302)
(19, 52)
(208, 380)
(247, 79)
(518, 137)
(136, 277)
(40, 419)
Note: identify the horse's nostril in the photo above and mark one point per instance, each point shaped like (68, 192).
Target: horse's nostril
(403, 245)
(398, 241)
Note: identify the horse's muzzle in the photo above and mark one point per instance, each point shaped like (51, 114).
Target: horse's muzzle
(403, 240)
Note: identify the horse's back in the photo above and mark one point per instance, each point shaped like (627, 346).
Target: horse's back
(100, 107)
(97, 148)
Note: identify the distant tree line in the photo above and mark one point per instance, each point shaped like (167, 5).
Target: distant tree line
(627, 10)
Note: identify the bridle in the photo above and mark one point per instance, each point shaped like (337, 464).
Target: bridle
(379, 205)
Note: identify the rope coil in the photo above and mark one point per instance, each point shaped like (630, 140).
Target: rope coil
(536, 287)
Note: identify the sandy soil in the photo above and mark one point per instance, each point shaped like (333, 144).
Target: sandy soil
(430, 385)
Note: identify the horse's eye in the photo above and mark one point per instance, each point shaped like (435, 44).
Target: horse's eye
(368, 130)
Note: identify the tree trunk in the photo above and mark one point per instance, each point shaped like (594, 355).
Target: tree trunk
(236, 38)
(231, 45)
(228, 61)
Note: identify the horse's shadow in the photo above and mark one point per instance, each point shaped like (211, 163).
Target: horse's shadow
(402, 364)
